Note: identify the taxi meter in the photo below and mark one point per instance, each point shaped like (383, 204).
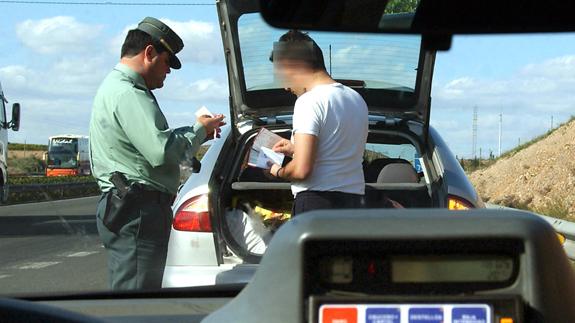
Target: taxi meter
(409, 266)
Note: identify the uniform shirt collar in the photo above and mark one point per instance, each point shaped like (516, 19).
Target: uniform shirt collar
(135, 77)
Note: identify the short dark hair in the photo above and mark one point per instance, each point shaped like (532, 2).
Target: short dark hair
(136, 41)
(294, 39)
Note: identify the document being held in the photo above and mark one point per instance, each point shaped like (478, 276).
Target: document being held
(261, 153)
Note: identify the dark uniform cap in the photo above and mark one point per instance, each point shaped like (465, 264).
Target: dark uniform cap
(165, 36)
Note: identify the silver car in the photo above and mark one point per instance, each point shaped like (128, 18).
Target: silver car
(225, 214)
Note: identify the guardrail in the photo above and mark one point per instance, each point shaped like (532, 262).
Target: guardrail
(564, 227)
(50, 186)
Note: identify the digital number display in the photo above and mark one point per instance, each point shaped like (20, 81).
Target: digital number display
(337, 270)
(450, 269)
(423, 269)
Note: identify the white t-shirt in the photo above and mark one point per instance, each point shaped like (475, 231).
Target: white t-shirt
(338, 117)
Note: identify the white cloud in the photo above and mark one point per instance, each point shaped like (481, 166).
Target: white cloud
(203, 91)
(41, 118)
(538, 88)
(60, 34)
(66, 77)
(527, 99)
(202, 41)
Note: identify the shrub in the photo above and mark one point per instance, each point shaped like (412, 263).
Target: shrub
(556, 208)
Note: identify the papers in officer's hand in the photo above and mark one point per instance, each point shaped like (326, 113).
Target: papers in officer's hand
(261, 153)
(203, 111)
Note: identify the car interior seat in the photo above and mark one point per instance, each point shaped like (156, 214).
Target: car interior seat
(393, 171)
(398, 173)
(371, 171)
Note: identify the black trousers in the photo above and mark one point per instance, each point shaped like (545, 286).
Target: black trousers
(137, 253)
(320, 200)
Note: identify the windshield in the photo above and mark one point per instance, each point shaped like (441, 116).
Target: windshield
(501, 133)
(382, 62)
(62, 153)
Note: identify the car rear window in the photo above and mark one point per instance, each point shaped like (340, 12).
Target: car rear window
(381, 61)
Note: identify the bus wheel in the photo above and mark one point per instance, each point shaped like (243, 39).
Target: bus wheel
(3, 194)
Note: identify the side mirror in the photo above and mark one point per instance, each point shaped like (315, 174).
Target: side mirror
(15, 123)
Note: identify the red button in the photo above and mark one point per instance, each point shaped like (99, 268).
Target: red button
(339, 315)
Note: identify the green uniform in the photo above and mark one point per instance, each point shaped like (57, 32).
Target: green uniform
(129, 134)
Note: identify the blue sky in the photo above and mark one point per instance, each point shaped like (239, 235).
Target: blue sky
(54, 57)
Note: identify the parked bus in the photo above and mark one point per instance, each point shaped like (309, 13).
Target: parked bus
(4, 126)
(68, 155)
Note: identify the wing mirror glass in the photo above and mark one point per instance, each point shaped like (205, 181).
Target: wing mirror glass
(15, 123)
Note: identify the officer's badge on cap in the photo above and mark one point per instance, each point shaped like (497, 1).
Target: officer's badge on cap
(165, 36)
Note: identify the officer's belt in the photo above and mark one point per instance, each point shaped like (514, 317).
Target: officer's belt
(152, 196)
(157, 196)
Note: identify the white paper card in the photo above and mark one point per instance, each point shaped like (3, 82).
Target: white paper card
(277, 158)
(203, 111)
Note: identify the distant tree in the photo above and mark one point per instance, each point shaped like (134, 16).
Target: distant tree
(17, 146)
(475, 163)
(401, 6)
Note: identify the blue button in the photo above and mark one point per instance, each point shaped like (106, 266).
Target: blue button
(469, 315)
(382, 315)
(426, 315)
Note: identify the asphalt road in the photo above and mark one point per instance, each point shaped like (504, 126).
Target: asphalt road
(51, 247)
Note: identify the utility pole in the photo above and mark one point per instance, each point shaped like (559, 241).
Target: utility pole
(474, 139)
(551, 123)
(500, 130)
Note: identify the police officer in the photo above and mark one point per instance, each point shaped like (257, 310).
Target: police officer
(129, 136)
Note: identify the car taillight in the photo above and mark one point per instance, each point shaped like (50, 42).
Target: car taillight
(194, 215)
(561, 238)
(457, 203)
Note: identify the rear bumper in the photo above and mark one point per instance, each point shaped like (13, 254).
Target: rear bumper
(188, 276)
(61, 172)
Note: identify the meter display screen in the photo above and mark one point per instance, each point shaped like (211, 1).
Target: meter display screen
(417, 269)
(411, 267)
(448, 269)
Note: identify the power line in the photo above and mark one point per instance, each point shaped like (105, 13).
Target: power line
(107, 3)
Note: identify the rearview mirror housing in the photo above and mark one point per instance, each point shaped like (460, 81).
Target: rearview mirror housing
(15, 123)
(435, 17)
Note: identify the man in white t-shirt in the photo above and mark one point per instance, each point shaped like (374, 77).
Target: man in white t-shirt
(330, 126)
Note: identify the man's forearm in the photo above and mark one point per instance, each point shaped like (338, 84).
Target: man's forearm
(293, 173)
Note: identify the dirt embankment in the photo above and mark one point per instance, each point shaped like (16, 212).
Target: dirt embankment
(540, 177)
